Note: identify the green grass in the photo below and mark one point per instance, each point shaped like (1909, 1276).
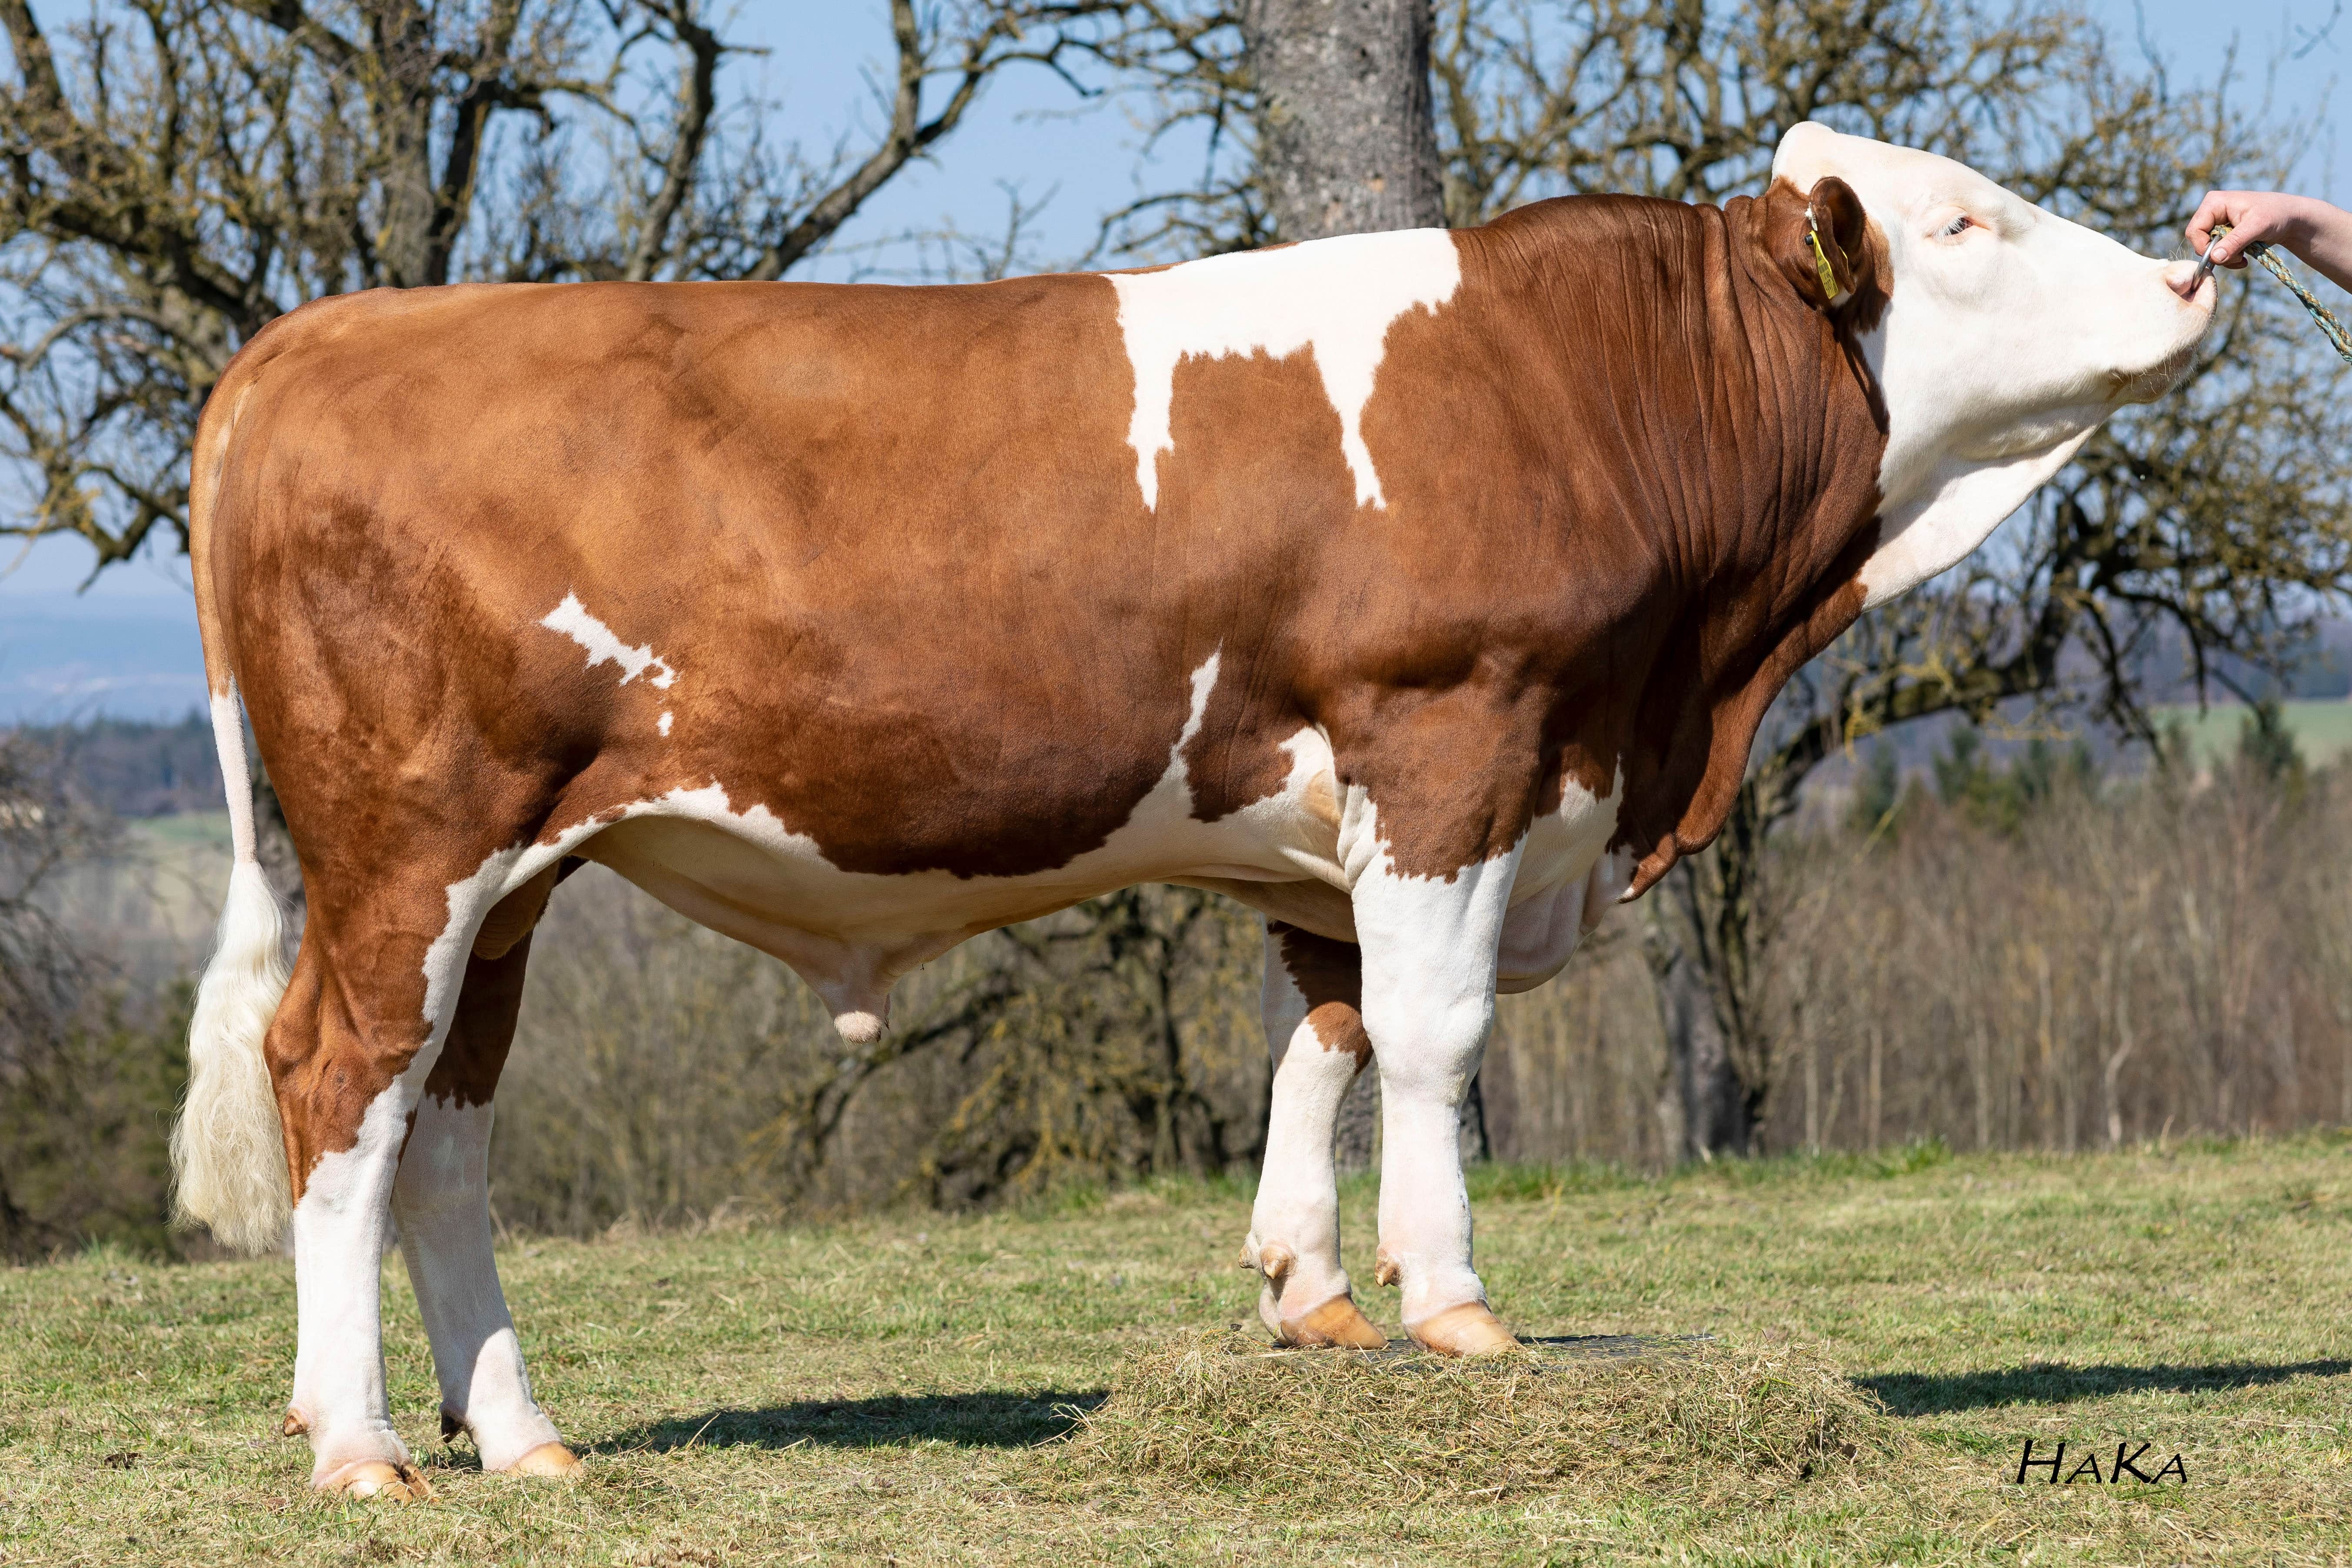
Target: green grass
(187, 829)
(2323, 730)
(904, 1389)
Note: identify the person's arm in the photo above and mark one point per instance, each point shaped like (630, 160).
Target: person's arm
(2320, 235)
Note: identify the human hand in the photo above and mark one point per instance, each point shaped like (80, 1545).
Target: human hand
(2318, 234)
(2252, 216)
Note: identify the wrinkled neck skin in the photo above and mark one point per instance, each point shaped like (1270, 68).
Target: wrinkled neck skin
(1753, 440)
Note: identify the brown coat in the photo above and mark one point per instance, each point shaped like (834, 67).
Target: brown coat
(874, 561)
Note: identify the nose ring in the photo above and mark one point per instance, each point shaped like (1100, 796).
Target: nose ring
(2205, 263)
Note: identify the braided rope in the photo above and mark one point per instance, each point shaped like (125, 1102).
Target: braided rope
(2337, 338)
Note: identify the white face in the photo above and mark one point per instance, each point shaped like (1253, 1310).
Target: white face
(2009, 335)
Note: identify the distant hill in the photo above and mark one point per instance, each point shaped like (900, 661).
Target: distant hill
(136, 769)
(64, 660)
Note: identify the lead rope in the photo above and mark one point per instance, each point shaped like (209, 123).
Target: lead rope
(2337, 338)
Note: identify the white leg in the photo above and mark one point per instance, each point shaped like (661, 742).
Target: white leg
(441, 1199)
(341, 1226)
(1318, 1046)
(1428, 959)
(351, 1014)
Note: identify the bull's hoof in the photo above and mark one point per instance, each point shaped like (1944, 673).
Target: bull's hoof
(293, 1425)
(1337, 1321)
(379, 1478)
(550, 1459)
(1466, 1330)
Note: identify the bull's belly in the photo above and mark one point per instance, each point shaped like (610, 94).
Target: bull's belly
(740, 869)
(733, 864)
(851, 935)
(732, 871)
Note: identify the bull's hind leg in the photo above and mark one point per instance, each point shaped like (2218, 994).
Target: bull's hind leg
(442, 1202)
(350, 1048)
(1317, 1040)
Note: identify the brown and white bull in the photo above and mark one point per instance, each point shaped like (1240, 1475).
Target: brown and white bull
(1422, 590)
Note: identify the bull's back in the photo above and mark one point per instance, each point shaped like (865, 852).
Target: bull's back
(874, 558)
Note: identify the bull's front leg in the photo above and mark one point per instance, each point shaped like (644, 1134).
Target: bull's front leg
(1429, 946)
(1316, 1035)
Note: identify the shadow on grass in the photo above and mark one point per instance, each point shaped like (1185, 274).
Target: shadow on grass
(2044, 1383)
(966, 1420)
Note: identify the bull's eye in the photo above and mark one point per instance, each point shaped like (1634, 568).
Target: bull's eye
(1957, 225)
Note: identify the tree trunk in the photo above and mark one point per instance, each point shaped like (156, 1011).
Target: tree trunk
(1348, 144)
(1710, 951)
(1346, 139)
(401, 99)
(15, 1229)
(1717, 1115)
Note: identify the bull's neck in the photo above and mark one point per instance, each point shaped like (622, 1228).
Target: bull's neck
(1740, 417)
(1719, 439)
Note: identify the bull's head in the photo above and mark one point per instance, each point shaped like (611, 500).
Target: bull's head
(1998, 336)
(2007, 334)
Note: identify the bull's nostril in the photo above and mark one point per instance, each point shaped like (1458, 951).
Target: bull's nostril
(2187, 281)
(2183, 279)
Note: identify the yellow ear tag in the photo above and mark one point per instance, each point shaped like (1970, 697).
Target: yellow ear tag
(1822, 261)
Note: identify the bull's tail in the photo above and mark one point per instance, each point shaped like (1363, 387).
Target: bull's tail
(227, 1152)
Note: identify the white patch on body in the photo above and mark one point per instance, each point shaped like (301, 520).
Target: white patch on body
(663, 723)
(573, 619)
(1564, 885)
(1337, 297)
(469, 900)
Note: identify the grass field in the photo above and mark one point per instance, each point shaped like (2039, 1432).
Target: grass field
(905, 1389)
(2322, 730)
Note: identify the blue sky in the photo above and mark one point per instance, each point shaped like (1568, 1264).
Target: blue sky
(128, 645)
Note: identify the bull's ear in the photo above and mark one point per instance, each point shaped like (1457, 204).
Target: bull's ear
(1827, 248)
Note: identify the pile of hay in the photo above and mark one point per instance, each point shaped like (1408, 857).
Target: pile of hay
(1227, 1409)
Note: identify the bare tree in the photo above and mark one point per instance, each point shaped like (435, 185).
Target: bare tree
(176, 173)
(45, 974)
